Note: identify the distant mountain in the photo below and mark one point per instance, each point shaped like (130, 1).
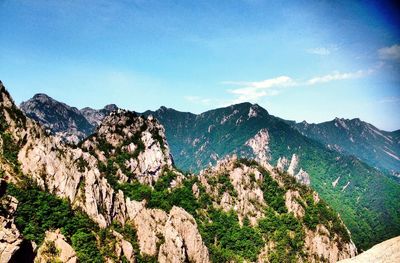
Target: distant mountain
(68, 122)
(366, 199)
(377, 148)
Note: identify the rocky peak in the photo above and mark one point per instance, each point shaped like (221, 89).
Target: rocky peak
(59, 118)
(137, 142)
(95, 117)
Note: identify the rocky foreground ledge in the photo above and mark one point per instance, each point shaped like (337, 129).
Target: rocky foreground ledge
(385, 252)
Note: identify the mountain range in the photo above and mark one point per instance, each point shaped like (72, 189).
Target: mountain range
(379, 149)
(355, 182)
(116, 196)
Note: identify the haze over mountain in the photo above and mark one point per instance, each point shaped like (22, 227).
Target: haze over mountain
(362, 194)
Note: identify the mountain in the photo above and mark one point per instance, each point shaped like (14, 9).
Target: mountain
(377, 148)
(68, 122)
(365, 197)
(117, 197)
(387, 251)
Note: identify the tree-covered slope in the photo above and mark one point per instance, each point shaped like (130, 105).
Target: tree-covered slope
(367, 200)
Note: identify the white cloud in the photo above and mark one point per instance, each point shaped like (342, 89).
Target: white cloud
(338, 76)
(255, 90)
(389, 53)
(322, 51)
(281, 81)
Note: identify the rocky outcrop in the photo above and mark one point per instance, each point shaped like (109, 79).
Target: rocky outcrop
(123, 248)
(55, 249)
(95, 117)
(10, 238)
(320, 246)
(242, 191)
(293, 169)
(182, 239)
(172, 237)
(259, 144)
(292, 203)
(385, 252)
(140, 141)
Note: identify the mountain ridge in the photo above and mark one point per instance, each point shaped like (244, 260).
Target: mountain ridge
(199, 140)
(108, 199)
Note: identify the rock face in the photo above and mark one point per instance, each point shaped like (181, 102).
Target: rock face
(385, 252)
(243, 194)
(10, 237)
(293, 169)
(140, 140)
(259, 145)
(319, 244)
(182, 238)
(95, 117)
(55, 249)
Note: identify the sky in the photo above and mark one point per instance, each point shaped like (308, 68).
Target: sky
(300, 60)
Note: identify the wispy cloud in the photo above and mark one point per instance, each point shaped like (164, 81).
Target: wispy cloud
(324, 50)
(389, 53)
(390, 100)
(338, 76)
(321, 51)
(254, 90)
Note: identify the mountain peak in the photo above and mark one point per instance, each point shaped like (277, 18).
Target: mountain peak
(111, 107)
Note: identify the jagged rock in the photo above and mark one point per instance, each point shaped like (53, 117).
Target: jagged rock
(259, 145)
(292, 204)
(301, 176)
(95, 117)
(127, 131)
(319, 244)
(55, 248)
(123, 248)
(10, 238)
(183, 242)
(248, 201)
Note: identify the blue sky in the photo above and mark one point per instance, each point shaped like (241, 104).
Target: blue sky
(301, 60)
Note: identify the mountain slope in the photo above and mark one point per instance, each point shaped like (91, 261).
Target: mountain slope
(116, 197)
(377, 148)
(366, 199)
